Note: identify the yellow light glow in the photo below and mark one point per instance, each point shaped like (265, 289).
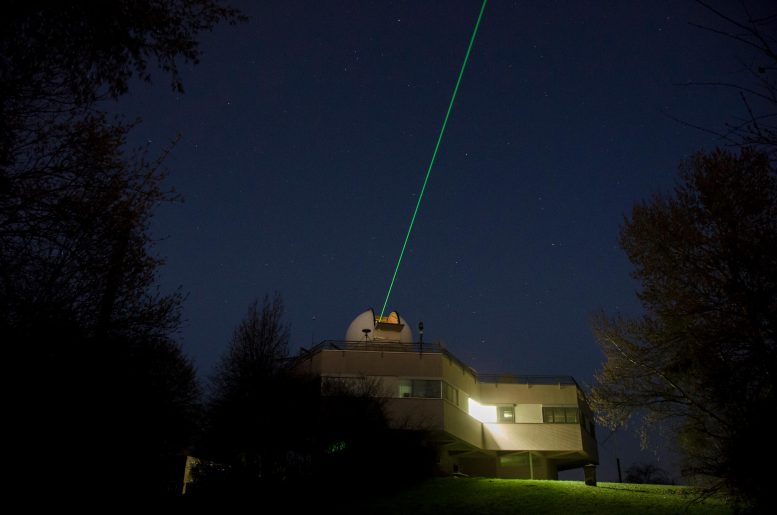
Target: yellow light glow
(391, 318)
(485, 414)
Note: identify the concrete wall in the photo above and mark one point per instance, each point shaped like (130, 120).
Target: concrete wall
(462, 426)
(459, 377)
(370, 363)
(590, 447)
(533, 437)
(589, 437)
(440, 415)
(510, 393)
(526, 465)
(528, 413)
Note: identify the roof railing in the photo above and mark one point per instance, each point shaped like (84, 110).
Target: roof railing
(439, 348)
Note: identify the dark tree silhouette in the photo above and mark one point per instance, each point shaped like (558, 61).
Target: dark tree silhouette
(74, 233)
(246, 421)
(647, 473)
(751, 26)
(703, 358)
(74, 207)
(271, 428)
(78, 52)
(355, 441)
(60, 58)
(257, 351)
(105, 394)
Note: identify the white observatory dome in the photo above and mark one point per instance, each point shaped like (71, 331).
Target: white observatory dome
(392, 328)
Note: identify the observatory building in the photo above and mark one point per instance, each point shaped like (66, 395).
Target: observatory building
(506, 426)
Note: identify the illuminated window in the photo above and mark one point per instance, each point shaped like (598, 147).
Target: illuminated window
(506, 414)
(559, 415)
(420, 388)
(405, 388)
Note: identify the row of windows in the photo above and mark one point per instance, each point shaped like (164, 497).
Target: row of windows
(436, 389)
(450, 394)
(421, 388)
(554, 415)
(428, 389)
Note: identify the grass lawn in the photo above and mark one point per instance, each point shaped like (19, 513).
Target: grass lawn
(454, 496)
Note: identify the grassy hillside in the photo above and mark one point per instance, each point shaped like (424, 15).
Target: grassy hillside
(455, 496)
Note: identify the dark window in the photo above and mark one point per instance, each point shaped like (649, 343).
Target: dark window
(423, 388)
(429, 389)
(450, 393)
(559, 415)
(335, 386)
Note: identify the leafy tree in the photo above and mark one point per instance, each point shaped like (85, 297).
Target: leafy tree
(68, 192)
(257, 350)
(271, 427)
(751, 26)
(104, 387)
(74, 207)
(81, 52)
(59, 59)
(353, 433)
(702, 359)
(74, 234)
(250, 395)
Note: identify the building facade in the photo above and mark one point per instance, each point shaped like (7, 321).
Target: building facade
(506, 426)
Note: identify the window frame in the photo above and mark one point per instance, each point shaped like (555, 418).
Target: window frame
(420, 388)
(500, 414)
(560, 415)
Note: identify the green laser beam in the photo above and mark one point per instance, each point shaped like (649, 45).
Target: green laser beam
(434, 156)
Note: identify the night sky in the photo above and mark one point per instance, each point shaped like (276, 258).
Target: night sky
(307, 131)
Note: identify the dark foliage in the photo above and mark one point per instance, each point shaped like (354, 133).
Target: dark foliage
(106, 398)
(703, 358)
(250, 393)
(751, 26)
(110, 393)
(74, 230)
(356, 442)
(81, 50)
(273, 430)
(647, 473)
